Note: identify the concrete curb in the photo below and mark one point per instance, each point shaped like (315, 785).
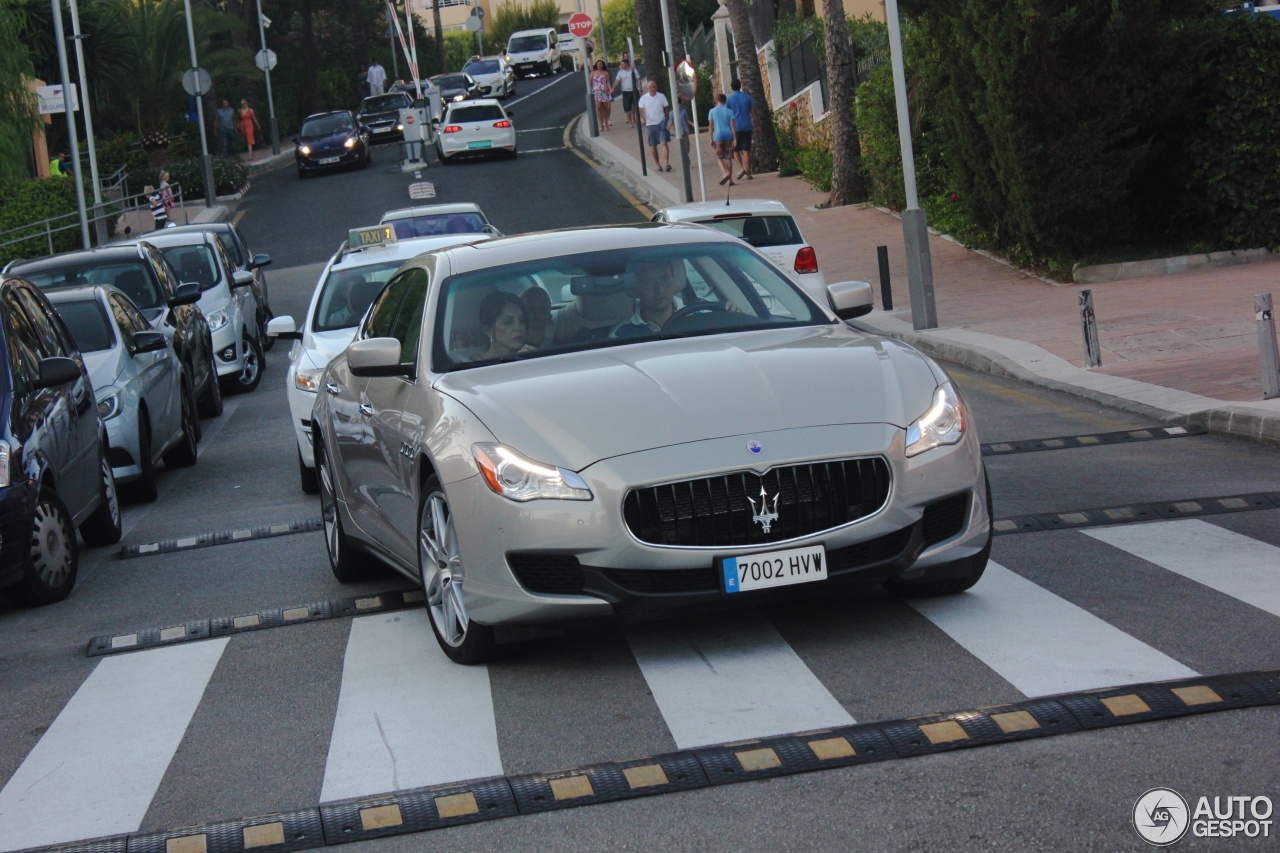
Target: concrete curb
(653, 191)
(1159, 267)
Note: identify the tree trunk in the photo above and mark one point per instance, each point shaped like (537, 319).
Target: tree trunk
(764, 140)
(806, 8)
(649, 17)
(786, 7)
(846, 152)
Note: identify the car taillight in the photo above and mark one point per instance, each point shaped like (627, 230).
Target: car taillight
(452, 128)
(503, 123)
(807, 260)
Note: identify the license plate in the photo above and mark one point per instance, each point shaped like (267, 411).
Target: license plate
(773, 568)
(486, 143)
(325, 161)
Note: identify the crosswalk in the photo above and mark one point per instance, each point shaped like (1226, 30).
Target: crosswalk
(406, 718)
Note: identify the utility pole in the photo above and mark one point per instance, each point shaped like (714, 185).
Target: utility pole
(266, 70)
(677, 123)
(72, 136)
(99, 226)
(206, 162)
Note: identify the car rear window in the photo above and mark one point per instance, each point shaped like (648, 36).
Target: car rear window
(131, 276)
(87, 324)
(759, 231)
(437, 224)
(484, 66)
(484, 112)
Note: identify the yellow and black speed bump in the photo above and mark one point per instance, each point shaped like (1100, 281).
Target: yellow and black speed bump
(113, 844)
(786, 755)
(601, 783)
(273, 833)
(221, 537)
(1163, 700)
(1097, 439)
(417, 810)
(1134, 513)
(943, 732)
(271, 617)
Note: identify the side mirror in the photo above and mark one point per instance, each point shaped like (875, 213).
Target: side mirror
(850, 299)
(259, 261)
(55, 371)
(188, 293)
(148, 342)
(241, 278)
(376, 357)
(283, 327)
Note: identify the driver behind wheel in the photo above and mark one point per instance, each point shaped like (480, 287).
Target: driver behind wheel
(657, 283)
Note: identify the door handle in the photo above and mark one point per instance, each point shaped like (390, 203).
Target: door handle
(332, 388)
(366, 410)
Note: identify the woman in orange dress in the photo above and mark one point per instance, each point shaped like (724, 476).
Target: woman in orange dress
(248, 121)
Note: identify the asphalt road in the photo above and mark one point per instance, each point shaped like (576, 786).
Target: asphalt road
(272, 721)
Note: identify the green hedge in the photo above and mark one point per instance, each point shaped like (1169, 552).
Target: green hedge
(229, 176)
(29, 201)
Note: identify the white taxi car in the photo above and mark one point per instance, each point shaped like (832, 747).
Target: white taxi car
(765, 224)
(475, 127)
(348, 284)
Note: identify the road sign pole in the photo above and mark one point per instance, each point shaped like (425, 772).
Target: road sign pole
(99, 225)
(206, 163)
(266, 70)
(580, 26)
(71, 121)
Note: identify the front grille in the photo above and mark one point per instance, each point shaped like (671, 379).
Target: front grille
(718, 511)
(553, 574)
(945, 518)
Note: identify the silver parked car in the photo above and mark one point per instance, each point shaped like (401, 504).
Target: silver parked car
(144, 400)
(696, 432)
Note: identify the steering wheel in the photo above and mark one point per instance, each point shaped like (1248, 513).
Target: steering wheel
(697, 308)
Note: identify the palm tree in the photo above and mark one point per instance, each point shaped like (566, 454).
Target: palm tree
(846, 152)
(764, 141)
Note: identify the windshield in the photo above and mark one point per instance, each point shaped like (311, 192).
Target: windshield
(383, 103)
(193, 263)
(87, 324)
(450, 81)
(759, 231)
(525, 43)
(346, 294)
(436, 224)
(131, 276)
(612, 298)
(326, 125)
(482, 66)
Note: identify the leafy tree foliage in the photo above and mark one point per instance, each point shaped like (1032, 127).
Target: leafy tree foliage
(17, 118)
(512, 17)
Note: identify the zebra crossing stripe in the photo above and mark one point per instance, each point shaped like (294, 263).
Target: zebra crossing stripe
(97, 767)
(1221, 559)
(718, 681)
(389, 732)
(1040, 643)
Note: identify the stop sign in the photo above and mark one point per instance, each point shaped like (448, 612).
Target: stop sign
(580, 25)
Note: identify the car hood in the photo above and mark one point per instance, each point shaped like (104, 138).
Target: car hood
(321, 347)
(332, 140)
(382, 115)
(578, 408)
(104, 366)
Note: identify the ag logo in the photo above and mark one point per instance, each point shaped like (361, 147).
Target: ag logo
(1161, 816)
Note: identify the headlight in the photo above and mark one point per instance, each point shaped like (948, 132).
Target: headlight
(308, 379)
(217, 319)
(4, 464)
(306, 149)
(350, 143)
(109, 407)
(400, 127)
(944, 423)
(457, 97)
(511, 475)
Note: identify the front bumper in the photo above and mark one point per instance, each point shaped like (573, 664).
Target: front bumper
(300, 405)
(621, 576)
(385, 130)
(226, 341)
(341, 157)
(122, 445)
(455, 147)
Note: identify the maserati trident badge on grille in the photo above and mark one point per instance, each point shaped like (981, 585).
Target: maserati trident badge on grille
(765, 515)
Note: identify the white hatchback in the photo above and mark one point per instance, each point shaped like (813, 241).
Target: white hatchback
(766, 225)
(348, 284)
(475, 127)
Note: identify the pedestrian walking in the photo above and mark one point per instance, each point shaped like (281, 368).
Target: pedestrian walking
(166, 192)
(602, 93)
(248, 122)
(625, 84)
(741, 104)
(225, 119)
(377, 77)
(722, 137)
(654, 109)
(156, 203)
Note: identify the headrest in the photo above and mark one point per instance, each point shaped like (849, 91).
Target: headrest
(754, 228)
(609, 306)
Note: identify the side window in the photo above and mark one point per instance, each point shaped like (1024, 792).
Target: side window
(701, 289)
(50, 343)
(164, 274)
(407, 327)
(123, 319)
(383, 311)
(24, 345)
(137, 321)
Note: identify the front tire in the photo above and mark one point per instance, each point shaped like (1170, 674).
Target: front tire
(185, 452)
(440, 567)
(348, 564)
(254, 363)
(210, 403)
(50, 569)
(143, 489)
(310, 480)
(103, 527)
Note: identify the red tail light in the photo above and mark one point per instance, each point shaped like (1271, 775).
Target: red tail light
(807, 260)
(503, 123)
(452, 128)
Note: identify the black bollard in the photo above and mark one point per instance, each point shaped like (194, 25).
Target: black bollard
(886, 293)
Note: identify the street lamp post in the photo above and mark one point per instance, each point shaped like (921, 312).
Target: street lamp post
(677, 123)
(205, 161)
(72, 136)
(266, 70)
(99, 225)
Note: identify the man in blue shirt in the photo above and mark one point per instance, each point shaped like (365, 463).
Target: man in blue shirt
(722, 138)
(741, 105)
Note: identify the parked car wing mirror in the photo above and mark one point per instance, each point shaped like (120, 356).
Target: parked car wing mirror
(241, 278)
(850, 299)
(57, 370)
(148, 342)
(259, 261)
(283, 327)
(376, 357)
(188, 293)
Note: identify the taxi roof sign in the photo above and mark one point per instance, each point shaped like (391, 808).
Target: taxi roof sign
(373, 235)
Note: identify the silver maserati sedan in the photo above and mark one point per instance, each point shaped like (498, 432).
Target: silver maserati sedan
(633, 420)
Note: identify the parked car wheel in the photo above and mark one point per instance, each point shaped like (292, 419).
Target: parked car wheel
(254, 363)
(143, 489)
(441, 569)
(308, 476)
(265, 316)
(210, 403)
(347, 562)
(103, 526)
(185, 452)
(52, 562)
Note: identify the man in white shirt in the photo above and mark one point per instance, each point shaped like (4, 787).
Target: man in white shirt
(657, 283)
(654, 110)
(377, 77)
(625, 83)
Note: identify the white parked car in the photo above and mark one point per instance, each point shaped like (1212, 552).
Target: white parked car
(348, 284)
(533, 52)
(228, 301)
(475, 127)
(494, 76)
(765, 224)
(146, 405)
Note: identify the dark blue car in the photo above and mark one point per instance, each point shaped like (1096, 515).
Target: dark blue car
(331, 141)
(54, 475)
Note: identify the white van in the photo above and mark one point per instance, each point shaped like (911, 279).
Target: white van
(532, 52)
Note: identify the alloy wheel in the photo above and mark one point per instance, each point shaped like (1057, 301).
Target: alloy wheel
(441, 564)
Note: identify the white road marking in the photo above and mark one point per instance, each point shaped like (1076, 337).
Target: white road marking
(543, 150)
(559, 77)
(98, 766)
(540, 129)
(730, 678)
(1043, 644)
(1231, 563)
(407, 715)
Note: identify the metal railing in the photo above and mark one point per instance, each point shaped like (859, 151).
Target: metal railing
(798, 68)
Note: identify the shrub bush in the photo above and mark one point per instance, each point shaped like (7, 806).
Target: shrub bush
(229, 175)
(29, 201)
